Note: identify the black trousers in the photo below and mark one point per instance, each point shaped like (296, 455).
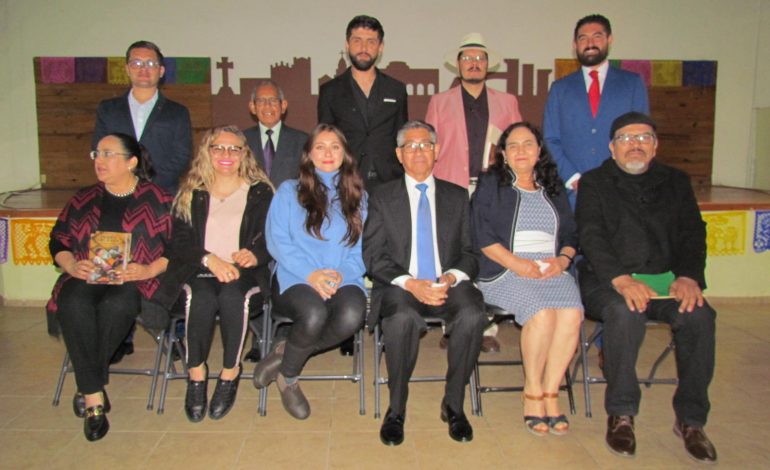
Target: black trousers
(95, 319)
(402, 325)
(318, 324)
(209, 298)
(623, 334)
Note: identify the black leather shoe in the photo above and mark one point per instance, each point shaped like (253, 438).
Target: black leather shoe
(347, 348)
(224, 397)
(95, 426)
(620, 435)
(392, 429)
(459, 428)
(252, 356)
(125, 349)
(195, 400)
(79, 404)
(697, 444)
(267, 369)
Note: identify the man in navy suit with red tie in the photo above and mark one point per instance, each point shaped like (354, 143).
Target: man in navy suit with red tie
(581, 106)
(417, 248)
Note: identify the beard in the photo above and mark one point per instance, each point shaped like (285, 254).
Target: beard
(362, 65)
(591, 60)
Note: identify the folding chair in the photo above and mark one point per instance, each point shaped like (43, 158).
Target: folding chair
(272, 320)
(588, 379)
(499, 315)
(380, 380)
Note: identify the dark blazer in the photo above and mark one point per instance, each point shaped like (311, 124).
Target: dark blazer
(167, 135)
(494, 213)
(388, 235)
(287, 155)
(187, 247)
(577, 140)
(372, 139)
(647, 224)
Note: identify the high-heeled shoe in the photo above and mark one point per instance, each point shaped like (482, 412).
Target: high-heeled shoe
(79, 404)
(224, 396)
(95, 425)
(532, 422)
(554, 422)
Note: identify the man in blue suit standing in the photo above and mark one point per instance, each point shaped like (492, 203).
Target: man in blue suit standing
(581, 106)
(161, 125)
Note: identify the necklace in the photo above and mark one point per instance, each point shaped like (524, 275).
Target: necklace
(127, 193)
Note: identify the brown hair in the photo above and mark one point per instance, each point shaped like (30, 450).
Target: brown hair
(312, 193)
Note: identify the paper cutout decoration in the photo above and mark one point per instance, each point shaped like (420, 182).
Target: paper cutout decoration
(3, 240)
(725, 233)
(762, 231)
(30, 241)
(57, 69)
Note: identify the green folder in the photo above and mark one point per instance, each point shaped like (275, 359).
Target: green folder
(660, 283)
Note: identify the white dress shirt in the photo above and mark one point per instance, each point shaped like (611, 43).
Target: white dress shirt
(140, 112)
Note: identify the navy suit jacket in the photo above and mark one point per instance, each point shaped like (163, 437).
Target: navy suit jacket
(287, 155)
(167, 135)
(387, 241)
(577, 141)
(372, 140)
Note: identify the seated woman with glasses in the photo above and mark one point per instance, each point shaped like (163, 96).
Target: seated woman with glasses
(523, 226)
(219, 251)
(109, 241)
(314, 233)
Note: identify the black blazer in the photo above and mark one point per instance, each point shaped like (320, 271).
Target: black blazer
(187, 245)
(388, 235)
(372, 140)
(167, 135)
(495, 212)
(287, 155)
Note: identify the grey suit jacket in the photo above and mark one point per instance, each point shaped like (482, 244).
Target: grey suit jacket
(387, 240)
(287, 154)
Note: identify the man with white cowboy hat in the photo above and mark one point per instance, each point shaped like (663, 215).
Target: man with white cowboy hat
(468, 119)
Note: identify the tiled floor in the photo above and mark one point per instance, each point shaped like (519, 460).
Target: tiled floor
(33, 434)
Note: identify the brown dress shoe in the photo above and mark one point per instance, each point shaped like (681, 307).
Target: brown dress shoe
(489, 344)
(620, 435)
(697, 444)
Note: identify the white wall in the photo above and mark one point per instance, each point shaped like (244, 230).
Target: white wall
(256, 33)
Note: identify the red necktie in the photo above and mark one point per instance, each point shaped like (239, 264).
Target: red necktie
(593, 92)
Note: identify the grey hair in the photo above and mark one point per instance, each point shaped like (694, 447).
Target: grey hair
(267, 82)
(416, 124)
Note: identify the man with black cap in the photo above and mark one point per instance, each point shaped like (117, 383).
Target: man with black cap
(644, 246)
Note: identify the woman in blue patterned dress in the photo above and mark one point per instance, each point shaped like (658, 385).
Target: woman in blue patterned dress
(524, 228)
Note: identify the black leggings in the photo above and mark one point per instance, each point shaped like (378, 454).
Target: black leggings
(95, 319)
(318, 324)
(209, 297)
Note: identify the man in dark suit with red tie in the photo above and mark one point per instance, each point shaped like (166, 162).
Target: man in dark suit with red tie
(417, 248)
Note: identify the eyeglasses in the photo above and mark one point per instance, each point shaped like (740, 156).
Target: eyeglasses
(267, 101)
(220, 150)
(526, 146)
(644, 139)
(136, 64)
(473, 58)
(106, 154)
(411, 147)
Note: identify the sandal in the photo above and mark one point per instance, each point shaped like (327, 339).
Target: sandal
(554, 421)
(532, 422)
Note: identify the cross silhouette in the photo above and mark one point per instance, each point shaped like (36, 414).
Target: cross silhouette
(225, 65)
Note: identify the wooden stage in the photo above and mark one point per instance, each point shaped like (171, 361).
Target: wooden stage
(49, 202)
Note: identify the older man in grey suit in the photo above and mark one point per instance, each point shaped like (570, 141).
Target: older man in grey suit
(277, 147)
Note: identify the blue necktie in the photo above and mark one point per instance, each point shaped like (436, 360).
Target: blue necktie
(269, 152)
(426, 261)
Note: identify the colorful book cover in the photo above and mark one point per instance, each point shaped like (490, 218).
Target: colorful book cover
(110, 252)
